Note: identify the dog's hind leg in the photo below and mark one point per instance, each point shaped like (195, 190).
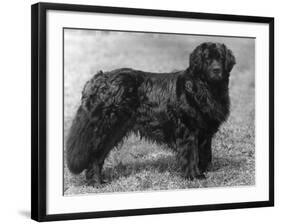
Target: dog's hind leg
(114, 136)
(93, 173)
(91, 138)
(111, 101)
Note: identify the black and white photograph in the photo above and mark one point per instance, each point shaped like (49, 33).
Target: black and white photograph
(142, 111)
(148, 111)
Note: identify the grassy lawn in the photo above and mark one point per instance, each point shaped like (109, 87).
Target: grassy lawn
(138, 165)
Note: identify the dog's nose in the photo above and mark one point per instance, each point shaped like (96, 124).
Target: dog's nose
(216, 71)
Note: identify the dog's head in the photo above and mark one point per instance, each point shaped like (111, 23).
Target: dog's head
(212, 61)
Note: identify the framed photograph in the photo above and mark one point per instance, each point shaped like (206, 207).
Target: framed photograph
(139, 111)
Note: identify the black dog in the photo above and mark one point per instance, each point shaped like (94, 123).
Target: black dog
(182, 110)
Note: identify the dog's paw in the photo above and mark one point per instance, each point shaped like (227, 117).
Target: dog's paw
(193, 172)
(95, 180)
(205, 167)
(201, 176)
(96, 183)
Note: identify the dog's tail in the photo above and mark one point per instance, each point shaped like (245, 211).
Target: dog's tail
(78, 144)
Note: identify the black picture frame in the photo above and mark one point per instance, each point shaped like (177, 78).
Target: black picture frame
(38, 108)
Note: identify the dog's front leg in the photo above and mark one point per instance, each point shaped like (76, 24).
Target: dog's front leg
(205, 153)
(188, 155)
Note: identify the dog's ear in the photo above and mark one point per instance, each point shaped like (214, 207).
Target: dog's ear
(196, 59)
(230, 60)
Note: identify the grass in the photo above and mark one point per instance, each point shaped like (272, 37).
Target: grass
(138, 165)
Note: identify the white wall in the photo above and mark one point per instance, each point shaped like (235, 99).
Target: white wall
(15, 109)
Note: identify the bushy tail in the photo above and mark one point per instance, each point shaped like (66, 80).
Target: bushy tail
(79, 143)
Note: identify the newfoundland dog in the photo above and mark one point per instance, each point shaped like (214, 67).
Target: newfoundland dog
(182, 110)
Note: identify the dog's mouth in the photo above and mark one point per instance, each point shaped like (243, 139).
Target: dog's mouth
(214, 78)
(215, 71)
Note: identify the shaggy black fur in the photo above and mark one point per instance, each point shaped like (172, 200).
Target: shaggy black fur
(182, 110)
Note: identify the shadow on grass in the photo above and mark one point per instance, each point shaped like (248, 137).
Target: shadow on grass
(164, 164)
(142, 172)
(160, 165)
(220, 163)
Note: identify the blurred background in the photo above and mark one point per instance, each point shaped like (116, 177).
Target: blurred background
(139, 165)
